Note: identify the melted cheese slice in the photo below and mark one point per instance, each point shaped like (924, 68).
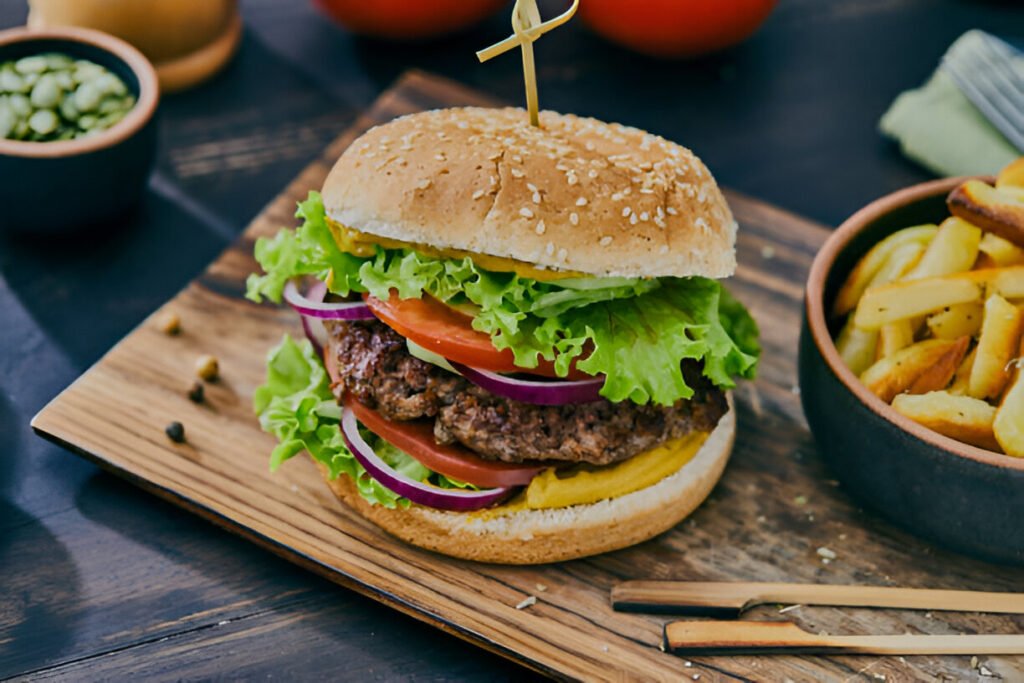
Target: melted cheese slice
(361, 244)
(586, 484)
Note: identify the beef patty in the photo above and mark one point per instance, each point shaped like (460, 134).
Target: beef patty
(374, 364)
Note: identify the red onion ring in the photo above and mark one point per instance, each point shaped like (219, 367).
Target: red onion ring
(314, 328)
(417, 492)
(528, 391)
(318, 308)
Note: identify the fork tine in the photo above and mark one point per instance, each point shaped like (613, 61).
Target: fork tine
(1003, 96)
(981, 100)
(983, 72)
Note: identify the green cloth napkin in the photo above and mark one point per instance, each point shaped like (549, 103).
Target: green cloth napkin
(939, 128)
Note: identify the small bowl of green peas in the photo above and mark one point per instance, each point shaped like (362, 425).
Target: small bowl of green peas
(77, 129)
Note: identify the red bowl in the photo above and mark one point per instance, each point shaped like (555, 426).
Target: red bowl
(408, 19)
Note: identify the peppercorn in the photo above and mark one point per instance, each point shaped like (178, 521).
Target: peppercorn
(169, 323)
(175, 432)
(197, 393)
(207, 368)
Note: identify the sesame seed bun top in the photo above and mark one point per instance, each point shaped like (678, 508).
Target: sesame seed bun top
(574, 194)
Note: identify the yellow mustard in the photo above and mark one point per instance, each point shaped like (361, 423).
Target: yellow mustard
(361, 244)
(583, 484)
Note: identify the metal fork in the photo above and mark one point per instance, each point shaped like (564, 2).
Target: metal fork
(982, 66)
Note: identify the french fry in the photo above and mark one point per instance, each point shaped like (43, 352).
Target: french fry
(1012, 174)
(1000, 252)
(1009, 422)
(959, 320)
(940, 373)
(856, 347)
(997, 345)
(1007, 282)
(953, 249)
(868, 267)
(897, 373)
(963, 374)
(907, 299)
(893, 337)
(959, 417)
(990, 209)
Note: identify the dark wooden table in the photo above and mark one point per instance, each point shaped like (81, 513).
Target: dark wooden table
(101, 581)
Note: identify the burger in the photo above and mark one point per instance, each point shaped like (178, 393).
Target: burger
(519, 347)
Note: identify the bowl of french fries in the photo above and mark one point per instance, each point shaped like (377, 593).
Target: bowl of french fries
(912, 360)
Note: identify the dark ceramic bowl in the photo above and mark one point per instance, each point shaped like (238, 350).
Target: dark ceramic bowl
(960, 496)
(48, 188)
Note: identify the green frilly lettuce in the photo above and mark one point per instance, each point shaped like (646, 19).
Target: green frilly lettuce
(295, 404)
(633, 331)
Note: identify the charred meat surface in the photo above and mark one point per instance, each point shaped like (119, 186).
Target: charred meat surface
(374, 365)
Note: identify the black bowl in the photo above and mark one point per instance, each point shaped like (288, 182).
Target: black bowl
(963, 497)
(59, 187)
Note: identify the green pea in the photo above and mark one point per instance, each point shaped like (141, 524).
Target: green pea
(87, 97)
(7, 120)
(21, 130)
(64, 80)
(46, 93)
(87, 71)
(56, 61)
(68, 109)
(31, 65)
(44, 121)
(20, 105)
(87, 122)
(109, 120)
(10, 81)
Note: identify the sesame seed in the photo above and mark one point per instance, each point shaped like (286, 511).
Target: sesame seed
(671, 211)
(536, 198)
(589, 146)
(591, 173)
(606, 240)
(493, 180)
(478, 194)
(540, 227)
(574, 218)
(632, 219)
(571, 177)
(550, 249)
(562, 253)
(659, 221)
(423, 184)
(525, 212)
(626, 211)
(644, 216)
(516, 173)
(531, 187)
(440, 156)
(582, 201)
(646, 190)
(617, 197)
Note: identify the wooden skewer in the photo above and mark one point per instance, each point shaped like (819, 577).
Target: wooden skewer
(730, 599)
(777, 637)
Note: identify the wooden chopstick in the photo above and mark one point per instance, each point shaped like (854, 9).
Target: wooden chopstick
(777, 637)
(730, 599)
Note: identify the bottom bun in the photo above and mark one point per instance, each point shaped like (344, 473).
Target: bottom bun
(556, 534)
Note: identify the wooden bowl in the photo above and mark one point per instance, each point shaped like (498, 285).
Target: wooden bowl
(961, 496)
(65, 186)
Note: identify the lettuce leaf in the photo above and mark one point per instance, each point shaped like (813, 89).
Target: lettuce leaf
(295, 405)
(627, 325)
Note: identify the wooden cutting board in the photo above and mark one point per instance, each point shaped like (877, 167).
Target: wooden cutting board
(773, 510)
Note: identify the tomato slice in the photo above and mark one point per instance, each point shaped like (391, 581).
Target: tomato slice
(417, 439)
(446, 332)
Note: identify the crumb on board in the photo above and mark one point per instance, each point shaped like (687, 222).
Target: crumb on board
(767, 251)
(197, 393)
(207, 367)
(827, 553)
(528, 602)
(800, 500)
(789, 608)
(169, 323)
(541, 587)
(175, 431)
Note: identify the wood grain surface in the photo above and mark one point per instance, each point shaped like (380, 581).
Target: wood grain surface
(773, 510)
